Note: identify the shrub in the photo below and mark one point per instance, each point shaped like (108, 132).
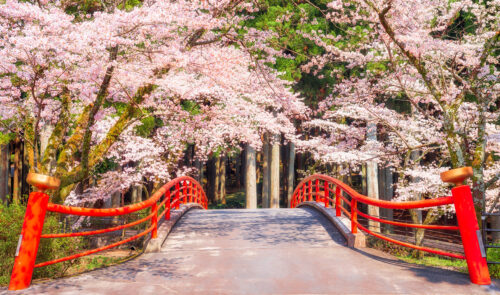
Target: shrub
(11, 221)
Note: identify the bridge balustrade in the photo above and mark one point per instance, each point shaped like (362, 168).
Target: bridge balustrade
(180, 190)
(332, 192)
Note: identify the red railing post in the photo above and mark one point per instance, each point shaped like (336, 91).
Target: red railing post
(469, 230)
(29, 241)
(309, 191)
(327, 202)
(190, 192)
(337, 200)
(354, 216)
(177, 195)
(317, 190)
(168, 205)
(303, 192)
(184, 191)
(154, 220)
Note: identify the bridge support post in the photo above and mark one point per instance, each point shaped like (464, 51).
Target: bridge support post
(29, 241)
(470, 233)
(31, 232)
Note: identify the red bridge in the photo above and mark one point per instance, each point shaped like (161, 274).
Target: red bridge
(317, 246)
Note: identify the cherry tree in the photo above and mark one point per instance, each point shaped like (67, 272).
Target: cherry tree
(87, 81)
(440, 61)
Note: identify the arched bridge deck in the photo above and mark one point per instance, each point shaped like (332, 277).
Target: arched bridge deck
(264, 251)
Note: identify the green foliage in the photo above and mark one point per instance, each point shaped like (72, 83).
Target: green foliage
(190, 106)
(494, 255)
(11, 220)
(101, 261)
(297, 17)
(147, 126)
(5, 138)
(233, 201)
(107, 164)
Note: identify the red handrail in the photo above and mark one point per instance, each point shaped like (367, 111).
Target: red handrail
(184, 188)
(461, 198)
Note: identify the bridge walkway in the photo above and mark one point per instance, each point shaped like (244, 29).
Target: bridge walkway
(264, 251)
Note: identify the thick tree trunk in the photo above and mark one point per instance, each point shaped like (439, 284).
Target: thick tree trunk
(250, 178)
(223, 163)
(198, 165)
(211, 184)
(115, 202)
(266, 173)
(386, 193)
(275, 171)
(4, 172)
(217, 179)
(291, 172)
(16, 185)
(237, 171)
(364, 185)
(134, 196)
(372, 180)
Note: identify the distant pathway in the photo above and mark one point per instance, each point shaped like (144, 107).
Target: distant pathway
(265, 251)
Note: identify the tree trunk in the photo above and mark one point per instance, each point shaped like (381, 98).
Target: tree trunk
(16, 182)
(237, 171)
(266, 173)
(291, 172)
(223, 163)
(275, 171)
(217, 179)
(115, 202)
(250, 178)
(134, 196)
(199, 167)
(4, 172)
(211, 180)
(372, 180)
(386, 193)
(364, 185)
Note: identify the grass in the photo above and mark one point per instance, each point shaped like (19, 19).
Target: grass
(460, 265)
(436, 261)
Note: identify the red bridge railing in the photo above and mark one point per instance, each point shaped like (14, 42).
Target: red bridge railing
(333, 192)
(180, 190)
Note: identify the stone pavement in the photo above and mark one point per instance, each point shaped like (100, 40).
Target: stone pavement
(265, 251)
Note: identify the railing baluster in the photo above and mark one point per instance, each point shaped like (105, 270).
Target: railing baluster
(184, 191)
(309, 195)
(337, 200)
(354, 216)
(190, 192)
(154, 220)
(327, 202)
(317, 190)
(177, 195)
(168, 205)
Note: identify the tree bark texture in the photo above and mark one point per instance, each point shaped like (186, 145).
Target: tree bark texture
(266, 173)
(250, 178)
(291, 172)
(4, 172)
(372, 180)
(275, 171)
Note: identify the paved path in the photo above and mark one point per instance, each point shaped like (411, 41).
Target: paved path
(286, 251)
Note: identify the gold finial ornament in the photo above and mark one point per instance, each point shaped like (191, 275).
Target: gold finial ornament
(457, 176)
(43, 182)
